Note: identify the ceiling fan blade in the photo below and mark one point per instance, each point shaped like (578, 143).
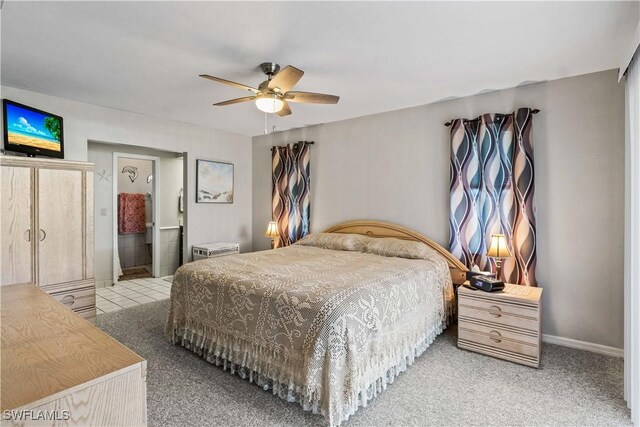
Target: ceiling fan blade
(286, 78)
(234, 101)
(229, 82)
(285, 110)
(311, 98)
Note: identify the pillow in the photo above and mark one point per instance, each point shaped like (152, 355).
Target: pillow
(335, 241)
(392, 247)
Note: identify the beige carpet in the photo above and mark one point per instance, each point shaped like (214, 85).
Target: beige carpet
(445, 386)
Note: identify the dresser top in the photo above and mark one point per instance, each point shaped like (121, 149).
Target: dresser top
(47, 163)
(511, 293)
(46, 348)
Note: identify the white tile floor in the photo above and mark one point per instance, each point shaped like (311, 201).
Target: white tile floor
(130, 293)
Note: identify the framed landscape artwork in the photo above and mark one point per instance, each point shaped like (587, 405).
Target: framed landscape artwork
(214, 182)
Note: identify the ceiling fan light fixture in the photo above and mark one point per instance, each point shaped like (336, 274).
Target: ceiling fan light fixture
(273, 95)
(269, 103)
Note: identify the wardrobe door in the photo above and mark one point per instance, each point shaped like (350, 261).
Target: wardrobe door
(61, 223)
(16, 225)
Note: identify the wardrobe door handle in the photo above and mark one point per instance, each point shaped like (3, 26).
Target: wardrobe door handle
(27, 235)
(43, 234)
(68, 300)
(495, 336)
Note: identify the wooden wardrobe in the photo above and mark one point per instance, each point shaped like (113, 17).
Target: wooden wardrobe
(47, 233)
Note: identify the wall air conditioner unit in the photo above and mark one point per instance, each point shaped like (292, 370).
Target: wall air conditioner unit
(212, 250)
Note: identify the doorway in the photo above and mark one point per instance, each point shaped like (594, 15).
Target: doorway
(136, 209)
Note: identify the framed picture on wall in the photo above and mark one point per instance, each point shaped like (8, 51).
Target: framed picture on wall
(214, 182)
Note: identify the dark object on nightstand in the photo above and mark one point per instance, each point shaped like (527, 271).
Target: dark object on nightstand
(470, 274)
(488, 284)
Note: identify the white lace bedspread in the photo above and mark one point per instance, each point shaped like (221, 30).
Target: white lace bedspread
(326, 328)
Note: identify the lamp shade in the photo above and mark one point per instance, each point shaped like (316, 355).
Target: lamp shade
(498, 247)
(272, 230)
(269, 103)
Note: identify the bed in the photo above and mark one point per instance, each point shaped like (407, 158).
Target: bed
(328, 322)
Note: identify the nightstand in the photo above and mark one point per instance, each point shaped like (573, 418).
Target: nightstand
(506, 325)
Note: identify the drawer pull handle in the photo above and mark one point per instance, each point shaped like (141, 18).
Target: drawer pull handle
(495, 336)
(68, 300)
(495, 311)
(27, 235)
(43, 234)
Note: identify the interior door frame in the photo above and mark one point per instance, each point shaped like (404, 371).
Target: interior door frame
(155, 194)
(632, 235)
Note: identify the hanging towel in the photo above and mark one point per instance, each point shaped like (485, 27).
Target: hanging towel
(131, 213)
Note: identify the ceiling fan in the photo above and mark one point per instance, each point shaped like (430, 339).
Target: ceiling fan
(273, 95)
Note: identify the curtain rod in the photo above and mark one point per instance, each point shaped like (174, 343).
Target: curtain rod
(449, 123)
(308, 142)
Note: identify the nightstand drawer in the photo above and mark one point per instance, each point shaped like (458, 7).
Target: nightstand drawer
(499, 313)
(525, 344)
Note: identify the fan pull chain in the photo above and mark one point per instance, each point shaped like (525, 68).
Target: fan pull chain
(266, 129)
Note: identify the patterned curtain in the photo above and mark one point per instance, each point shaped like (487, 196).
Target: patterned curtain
(291, 198)
(492, 192)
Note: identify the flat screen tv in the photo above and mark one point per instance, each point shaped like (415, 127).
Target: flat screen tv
(32, 131)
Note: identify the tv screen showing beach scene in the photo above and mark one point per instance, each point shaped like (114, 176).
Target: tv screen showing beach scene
(32, 131)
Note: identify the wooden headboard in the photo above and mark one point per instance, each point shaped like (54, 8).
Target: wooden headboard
(386, 229)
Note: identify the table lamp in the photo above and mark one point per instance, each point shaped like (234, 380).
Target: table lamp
(272, 233)
(498, 250)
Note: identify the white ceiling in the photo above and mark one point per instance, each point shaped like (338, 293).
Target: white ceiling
(145, 56)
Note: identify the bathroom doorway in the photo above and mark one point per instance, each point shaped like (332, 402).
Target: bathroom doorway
(136, 209)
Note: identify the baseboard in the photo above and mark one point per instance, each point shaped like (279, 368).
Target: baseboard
(583, 345)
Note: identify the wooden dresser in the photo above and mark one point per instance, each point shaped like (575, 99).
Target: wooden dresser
(55, 364)
(507, 324)
(46, 232)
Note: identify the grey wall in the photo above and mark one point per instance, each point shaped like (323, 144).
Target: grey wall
(395, 167)
(204, 222)
(171, 182)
